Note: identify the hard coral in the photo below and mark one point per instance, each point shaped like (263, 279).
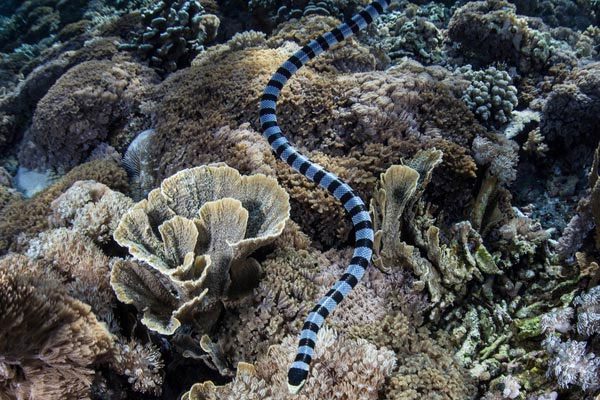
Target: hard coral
(358, 124)
(491, 96)
(490, 31)
(193, 238)
(48, 339)
(400, 217)
(571, 114)
(175, 31)
(89, 104)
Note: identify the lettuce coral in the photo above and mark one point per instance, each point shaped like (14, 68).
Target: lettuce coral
(192, 238)
(399, 216)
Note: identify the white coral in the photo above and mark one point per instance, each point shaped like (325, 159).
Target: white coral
(570, 363)
(588, 312)
(557, 320)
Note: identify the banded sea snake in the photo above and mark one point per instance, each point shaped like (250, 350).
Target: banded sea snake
(354, 206)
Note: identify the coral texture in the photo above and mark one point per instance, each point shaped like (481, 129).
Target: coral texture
(82, 109)
(176, 30)
(49, 340)
(91, 208)
(342, 368)
(30, 216)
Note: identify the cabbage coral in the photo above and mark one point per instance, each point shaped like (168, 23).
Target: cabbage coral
(191, 240)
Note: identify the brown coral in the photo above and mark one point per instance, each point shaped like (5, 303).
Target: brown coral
(82, 266)
(87, 105)
(48, 340)
(193, 237)
(284, 295)
(90, 208)
(426, 368)
(400, 218)
(30, 216)
(342, 369)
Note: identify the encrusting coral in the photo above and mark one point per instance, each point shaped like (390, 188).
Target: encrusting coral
(48, 340)
(191, 240)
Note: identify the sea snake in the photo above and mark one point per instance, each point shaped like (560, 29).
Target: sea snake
(353, 204)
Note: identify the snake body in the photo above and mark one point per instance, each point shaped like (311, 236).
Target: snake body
(354, 206)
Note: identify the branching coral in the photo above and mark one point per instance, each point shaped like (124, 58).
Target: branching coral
(193, 237)
(48, 340)
(175, 31)
(342, 368)
(491, 96)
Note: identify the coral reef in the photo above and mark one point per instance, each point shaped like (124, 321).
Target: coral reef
(30, 216)
(490, 31)
(49, 340)
(490, 95)
(90, 208)
(175, 31)
(192, 239)
(354, 367)
(398, 215)
(471, 127)
(79, 111)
